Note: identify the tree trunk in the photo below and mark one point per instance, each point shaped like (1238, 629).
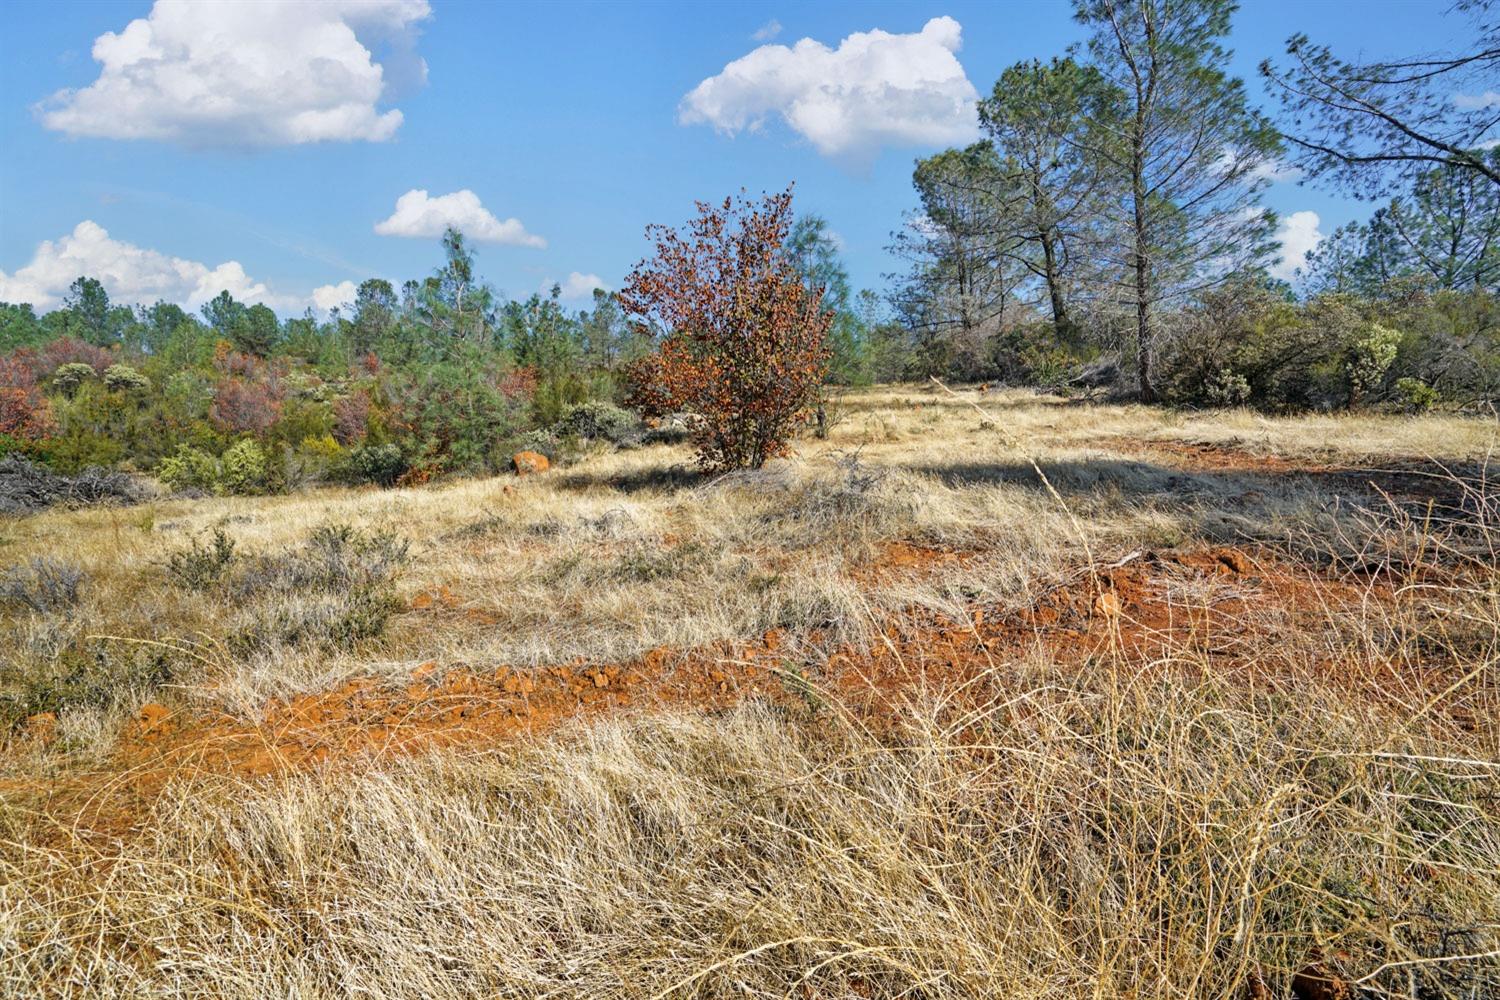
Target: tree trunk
(1054, 283)
(1144, 334)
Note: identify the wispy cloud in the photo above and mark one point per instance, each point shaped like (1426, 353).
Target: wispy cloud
(767, 31)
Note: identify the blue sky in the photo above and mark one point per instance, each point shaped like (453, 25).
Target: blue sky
(566, 117)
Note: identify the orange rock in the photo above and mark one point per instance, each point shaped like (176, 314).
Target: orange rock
(529, 463)
(152, 716)
(1107, 604)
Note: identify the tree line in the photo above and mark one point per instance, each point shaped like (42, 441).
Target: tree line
(1116, 197)
(1107, 232)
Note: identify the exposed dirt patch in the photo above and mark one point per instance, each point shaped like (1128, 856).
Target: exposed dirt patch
(906, 559)
(1137, 608)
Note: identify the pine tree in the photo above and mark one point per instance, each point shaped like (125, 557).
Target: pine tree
(1189, 152)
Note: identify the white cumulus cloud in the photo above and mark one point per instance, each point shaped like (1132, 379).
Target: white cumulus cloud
(1297, 233)
(132, 275)
(419, 215)
(576, 286)
(875, 89)
(241, 73)
(326, 297)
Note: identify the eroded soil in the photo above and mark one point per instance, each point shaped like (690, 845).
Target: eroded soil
(1132, 611)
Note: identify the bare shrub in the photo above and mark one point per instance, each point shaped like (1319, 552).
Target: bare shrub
(44, 585)
(200, 566)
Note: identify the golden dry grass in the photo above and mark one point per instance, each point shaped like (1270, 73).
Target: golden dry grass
(1125, 826)
(627, 551)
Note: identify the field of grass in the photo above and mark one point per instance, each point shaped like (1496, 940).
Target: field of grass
(985, 694)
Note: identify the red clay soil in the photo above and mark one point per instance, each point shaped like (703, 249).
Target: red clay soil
(1134, 609)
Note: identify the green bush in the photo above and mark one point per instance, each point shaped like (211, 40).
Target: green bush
(311, 461)
(200, 567)
(381, 464)
(598, 420)
(123, 378)
(242, 469)
(70, 376)
(188, 469)
(541, 442)
(1226, 388)
(1419, 396)
(1370, 357)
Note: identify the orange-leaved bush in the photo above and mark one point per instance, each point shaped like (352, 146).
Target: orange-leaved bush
(743, 345)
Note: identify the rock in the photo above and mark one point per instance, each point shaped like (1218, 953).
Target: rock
(152, 717)
(1317, 982)
(529, 463)
(1107, 604)
(1234, 562)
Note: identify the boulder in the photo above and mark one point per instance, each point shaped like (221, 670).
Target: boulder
(529, 463)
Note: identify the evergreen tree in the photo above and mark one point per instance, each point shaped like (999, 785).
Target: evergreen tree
(1180, 137)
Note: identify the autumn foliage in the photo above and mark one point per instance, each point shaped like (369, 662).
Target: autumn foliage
(743, 345)
(24, 412)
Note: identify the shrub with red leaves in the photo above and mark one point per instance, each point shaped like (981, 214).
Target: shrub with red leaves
(242, 407)
(24, 411)
(745, 348)
(518, 385)
(67, 351)
(351, 418)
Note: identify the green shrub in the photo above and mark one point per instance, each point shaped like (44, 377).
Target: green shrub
(598, 420)
(1226, 388)
(1370, 357)
(200, 567)
(1046, 365)
(70, 376)
(313, 460)
(188, 469)
(123, 378)
(539, 441)
(1420, 397)
(242, 469)
(381, 464)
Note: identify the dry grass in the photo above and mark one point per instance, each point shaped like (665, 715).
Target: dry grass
(628, 551)
(1088, 834)
(1153, 826)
